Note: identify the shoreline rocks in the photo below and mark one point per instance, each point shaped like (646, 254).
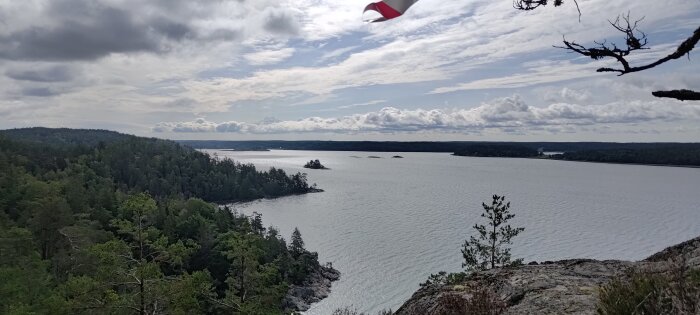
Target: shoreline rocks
(315, 288)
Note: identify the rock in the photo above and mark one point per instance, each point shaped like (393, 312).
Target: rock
(561, 287)
(315, 288)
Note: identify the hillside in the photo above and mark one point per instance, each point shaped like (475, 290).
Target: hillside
(96, 222)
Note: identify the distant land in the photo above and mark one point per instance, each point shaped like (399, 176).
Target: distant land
(662, 153)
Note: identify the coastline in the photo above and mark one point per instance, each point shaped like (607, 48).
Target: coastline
(580, 161)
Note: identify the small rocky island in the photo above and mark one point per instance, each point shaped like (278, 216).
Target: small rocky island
(315, 164)
(397, 157)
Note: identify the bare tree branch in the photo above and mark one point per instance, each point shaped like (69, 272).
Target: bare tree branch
(683, 95)
(529, 5)
(634, 40)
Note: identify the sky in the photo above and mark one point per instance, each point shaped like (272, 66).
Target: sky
(311, 69)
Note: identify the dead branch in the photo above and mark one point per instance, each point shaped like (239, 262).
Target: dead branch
(634, 40)
(683, 95)
(529, 5)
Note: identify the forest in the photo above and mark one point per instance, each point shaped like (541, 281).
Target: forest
(97, 222)
(662, 155)
(497, 150)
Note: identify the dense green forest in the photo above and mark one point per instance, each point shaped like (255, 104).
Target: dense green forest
(497, 150)
(96, 222)
(663, 155)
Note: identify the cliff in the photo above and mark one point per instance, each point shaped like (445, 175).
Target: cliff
(562, 287)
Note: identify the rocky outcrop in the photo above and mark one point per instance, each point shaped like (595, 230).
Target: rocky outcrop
(562, 287)
(316, 288)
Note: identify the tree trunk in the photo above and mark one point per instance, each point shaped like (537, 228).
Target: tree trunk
(493, 246)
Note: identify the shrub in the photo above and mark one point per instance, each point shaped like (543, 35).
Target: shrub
(676, 292)
(482, 302)
(443, 278)
(352, 311)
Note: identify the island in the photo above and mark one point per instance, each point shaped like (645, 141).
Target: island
(315, 164)
(397, 157)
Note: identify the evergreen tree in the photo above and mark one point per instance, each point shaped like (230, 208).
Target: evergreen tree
(490, 249)
(297, 245)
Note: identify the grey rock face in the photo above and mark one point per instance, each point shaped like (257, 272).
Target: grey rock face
(562, 287)
(315, 288)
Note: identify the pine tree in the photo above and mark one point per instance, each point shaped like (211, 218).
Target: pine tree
(297, 245)
(490, 249)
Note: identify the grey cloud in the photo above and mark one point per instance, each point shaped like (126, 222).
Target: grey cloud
(172, 29)
(281, 22)
(60, 73)
(40, 92)
(101, 32)
(509, 114)
(73, 30)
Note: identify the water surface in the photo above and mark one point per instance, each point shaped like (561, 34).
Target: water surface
(387, 224)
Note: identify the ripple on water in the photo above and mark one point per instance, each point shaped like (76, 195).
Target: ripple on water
(387, 224)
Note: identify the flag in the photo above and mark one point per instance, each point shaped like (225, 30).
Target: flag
(388, 9)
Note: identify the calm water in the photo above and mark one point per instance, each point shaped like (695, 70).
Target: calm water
(387, 224)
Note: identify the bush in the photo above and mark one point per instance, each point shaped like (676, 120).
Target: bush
(482, 302)
(443, 278)
(676, 292)
(351, 311)
(636, 293)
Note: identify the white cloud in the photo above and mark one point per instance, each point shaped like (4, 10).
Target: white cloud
(509, 114)
(269, 57)
(568, 95)
(193, 57)
(369, 103)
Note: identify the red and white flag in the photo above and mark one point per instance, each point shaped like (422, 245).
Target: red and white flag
(388, 9)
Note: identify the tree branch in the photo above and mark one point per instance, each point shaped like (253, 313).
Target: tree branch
(683, 95)
(634, 40)
(529, 5)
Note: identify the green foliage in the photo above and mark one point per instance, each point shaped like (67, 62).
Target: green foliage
(352, 311)
(480, 302)
(490, 248)
(638, 292)
(95, 222)
(443, 278)
(676, 154)
(497, 150)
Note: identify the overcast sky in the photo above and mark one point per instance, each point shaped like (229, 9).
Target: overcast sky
(311, 69)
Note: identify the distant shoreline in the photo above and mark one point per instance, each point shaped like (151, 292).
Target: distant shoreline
(453, 154)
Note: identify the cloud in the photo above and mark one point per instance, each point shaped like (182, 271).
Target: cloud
(375, 102)
(78, 30)
(510, 114)
(281, 21)
(40, 92)
(568, 95)
(53, 73)
(269, 57)
(96, 32)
